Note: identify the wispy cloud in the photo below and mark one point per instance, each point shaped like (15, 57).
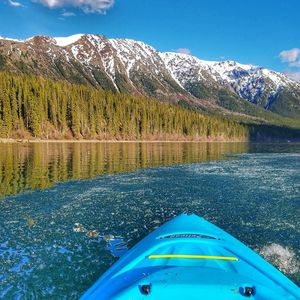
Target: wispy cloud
(88, 6)
(184, 51)
(290, 55)
(292, 59)
(68, 14)
(15, 3)
(295, 63)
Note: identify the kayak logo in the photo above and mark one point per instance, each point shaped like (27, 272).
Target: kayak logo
(188, 236)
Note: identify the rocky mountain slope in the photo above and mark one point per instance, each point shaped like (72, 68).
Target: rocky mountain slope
(124, 65)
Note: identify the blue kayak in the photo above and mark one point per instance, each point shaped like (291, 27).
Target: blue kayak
(190, 258)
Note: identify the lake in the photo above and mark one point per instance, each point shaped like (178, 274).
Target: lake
(68, 210)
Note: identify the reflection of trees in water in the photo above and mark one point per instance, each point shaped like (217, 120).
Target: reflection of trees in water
(39, 166)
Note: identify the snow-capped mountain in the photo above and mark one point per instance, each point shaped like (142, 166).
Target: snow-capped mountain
(254, 84)
(124, 65)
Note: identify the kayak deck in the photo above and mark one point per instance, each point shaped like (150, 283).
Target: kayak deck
(189, 257)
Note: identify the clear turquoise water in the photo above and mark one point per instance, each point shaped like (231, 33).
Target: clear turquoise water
(255, 196)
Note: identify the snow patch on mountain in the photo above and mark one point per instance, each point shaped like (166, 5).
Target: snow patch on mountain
(131, 52)
(184, 68)
(65, 41)
(10, 39)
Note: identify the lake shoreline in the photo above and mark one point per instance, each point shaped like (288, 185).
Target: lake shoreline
(33, 141)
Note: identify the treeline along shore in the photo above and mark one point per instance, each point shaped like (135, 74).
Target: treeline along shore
(41, 108)
(34, 107)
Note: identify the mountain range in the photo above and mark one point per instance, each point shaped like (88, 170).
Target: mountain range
(133, 67)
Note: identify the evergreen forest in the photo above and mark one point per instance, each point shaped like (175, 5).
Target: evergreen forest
(37, 107)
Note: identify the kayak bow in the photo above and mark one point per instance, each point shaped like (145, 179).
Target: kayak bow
(190, 258)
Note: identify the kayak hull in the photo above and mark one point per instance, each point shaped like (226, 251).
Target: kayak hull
(188, 257)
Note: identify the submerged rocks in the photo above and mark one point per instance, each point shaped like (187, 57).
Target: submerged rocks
(31, 222)
(92, 234)
(108, 237)
(116, 245)
(79, 228)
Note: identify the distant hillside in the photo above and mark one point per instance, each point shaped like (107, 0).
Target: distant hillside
(132, 67)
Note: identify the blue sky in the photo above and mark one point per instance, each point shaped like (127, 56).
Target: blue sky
(254, 31)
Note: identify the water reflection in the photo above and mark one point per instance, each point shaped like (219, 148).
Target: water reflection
(39, 166)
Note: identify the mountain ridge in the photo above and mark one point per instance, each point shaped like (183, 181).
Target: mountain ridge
(126, 65)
